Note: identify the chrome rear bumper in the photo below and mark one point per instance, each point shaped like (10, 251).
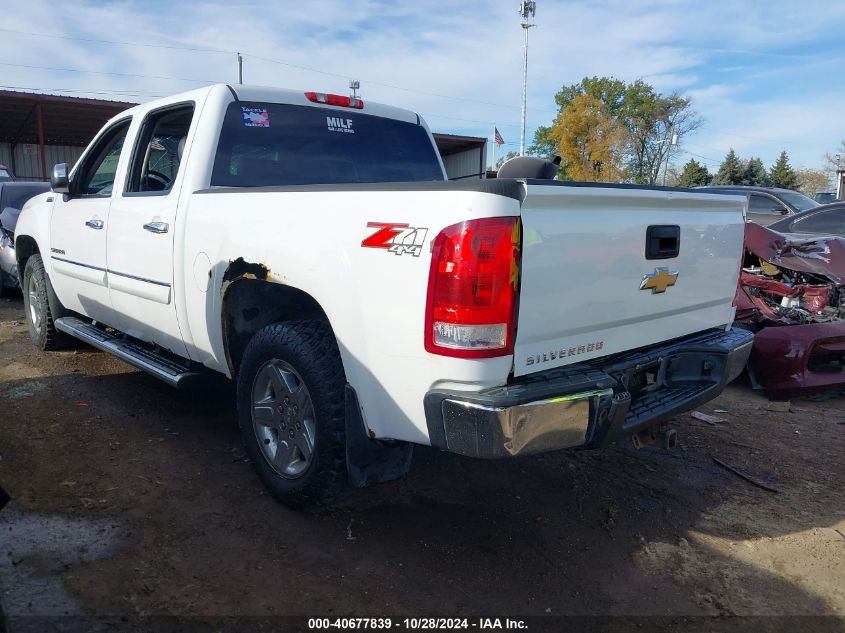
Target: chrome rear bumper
(590, 404)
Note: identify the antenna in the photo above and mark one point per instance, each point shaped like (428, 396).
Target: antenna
(354, 86)
(527, 11)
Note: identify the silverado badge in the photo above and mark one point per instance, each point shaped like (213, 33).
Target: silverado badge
(659, 280)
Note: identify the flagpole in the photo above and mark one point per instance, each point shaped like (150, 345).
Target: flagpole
(493, 168)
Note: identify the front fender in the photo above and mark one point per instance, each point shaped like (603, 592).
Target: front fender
(32, 232)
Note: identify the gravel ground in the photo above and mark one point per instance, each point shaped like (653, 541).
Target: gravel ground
(130, 499)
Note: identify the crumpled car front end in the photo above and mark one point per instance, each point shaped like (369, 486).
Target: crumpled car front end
(792, 295)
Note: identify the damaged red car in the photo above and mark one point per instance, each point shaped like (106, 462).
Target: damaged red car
(792, 295)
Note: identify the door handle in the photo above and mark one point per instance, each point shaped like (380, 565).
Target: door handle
(94, 224)
(156, 227)
(662, 241)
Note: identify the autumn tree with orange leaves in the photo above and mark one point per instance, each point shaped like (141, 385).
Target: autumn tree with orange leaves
(592, 143)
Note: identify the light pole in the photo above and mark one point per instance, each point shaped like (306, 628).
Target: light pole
(527, 10)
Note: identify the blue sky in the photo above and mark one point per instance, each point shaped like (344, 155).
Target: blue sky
(764, 76)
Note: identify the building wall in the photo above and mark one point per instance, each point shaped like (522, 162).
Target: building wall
(27, 161)
(466, 164)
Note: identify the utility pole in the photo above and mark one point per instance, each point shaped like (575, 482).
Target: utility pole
(527, 10)
(672, 140)
(240, 69)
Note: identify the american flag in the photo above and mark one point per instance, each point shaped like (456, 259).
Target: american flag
(498, 137)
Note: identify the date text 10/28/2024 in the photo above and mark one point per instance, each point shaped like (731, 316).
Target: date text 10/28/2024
(414, 624)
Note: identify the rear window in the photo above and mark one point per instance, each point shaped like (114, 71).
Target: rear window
(798, 200)
(828, 221)
(270, 144)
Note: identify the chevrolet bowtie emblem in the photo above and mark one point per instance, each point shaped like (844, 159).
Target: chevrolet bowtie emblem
(659, 280)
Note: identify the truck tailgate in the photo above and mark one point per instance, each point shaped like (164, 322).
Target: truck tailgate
(584, 261)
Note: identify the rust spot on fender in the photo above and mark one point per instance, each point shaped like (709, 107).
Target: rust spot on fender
(238, 269)
(242, 269)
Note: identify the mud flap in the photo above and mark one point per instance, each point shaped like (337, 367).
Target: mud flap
(56, 307)
(369, 462)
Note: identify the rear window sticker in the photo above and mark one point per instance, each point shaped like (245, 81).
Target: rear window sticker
(256, 117)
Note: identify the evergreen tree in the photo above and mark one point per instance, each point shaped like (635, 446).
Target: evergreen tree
(694, 175)
(782, 175)
(755, 174)
(730, 171)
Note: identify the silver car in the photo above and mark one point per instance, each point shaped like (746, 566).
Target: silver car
(13, 195)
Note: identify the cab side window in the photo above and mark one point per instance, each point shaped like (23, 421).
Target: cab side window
(159, 149)
(100, 169)
(764, 204)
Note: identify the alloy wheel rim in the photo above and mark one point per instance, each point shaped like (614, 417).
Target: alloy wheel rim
(283, 419)
(34, 304)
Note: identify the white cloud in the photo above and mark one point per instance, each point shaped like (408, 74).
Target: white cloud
(726, 55)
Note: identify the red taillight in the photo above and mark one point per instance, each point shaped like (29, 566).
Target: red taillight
(473, 289)
(335, 100)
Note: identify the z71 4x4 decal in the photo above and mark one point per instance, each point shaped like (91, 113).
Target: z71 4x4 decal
(396, 238)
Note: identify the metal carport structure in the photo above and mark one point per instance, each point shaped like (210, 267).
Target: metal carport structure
(38, 130)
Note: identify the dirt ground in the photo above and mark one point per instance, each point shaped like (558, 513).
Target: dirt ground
(131, 499)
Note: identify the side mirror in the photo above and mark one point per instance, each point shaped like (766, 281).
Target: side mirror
(59, 181)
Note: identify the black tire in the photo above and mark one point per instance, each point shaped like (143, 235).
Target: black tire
(308, 348)
(43, 333)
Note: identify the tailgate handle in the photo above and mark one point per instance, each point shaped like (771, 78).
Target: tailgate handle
(662, 241)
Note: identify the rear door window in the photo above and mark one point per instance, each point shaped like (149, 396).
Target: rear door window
(268, 144)
(765, 204)
(158, 151)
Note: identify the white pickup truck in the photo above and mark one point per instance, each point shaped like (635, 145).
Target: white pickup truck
(308, 247)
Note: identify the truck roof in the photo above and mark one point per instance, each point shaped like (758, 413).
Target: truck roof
(274, 95)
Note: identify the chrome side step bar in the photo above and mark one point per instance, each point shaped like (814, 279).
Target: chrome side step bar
(133, 352)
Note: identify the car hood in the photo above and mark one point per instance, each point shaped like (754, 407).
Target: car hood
(816, 254)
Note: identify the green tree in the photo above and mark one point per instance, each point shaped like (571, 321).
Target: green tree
(543, 145)
(649, 119)
(694, 175)
(655, 120)
(730, 171)
(755, 173)
(613, 93)
(782, 175)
